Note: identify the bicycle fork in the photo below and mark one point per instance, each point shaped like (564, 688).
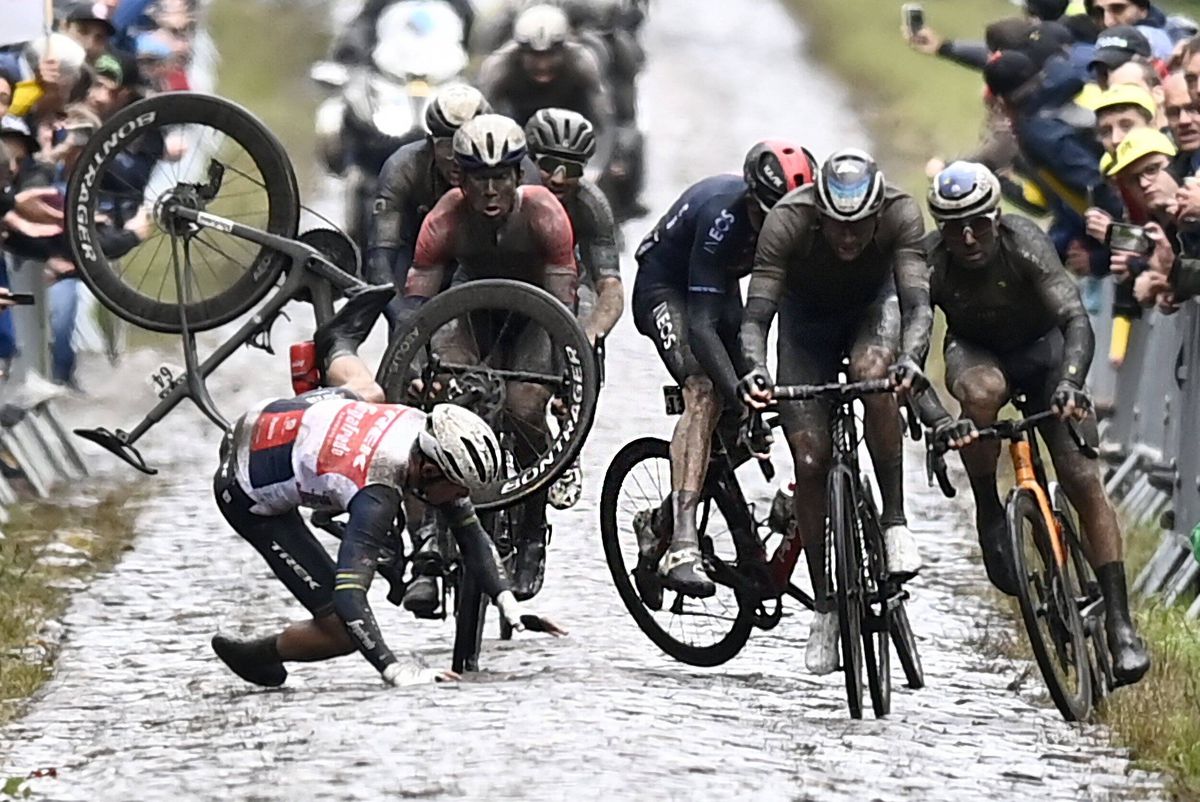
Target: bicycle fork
(1022, 458)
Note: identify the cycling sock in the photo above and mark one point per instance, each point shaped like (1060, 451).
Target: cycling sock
(683, 504)
(891, 481)
(1116, 596)
(988, 508)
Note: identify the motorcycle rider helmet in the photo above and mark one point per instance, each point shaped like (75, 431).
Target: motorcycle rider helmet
(489, 140)
(850, 186)
(962, 190)
(462, 445)
(559, 132)
(773, 168)
(541, 28)
(451, 107)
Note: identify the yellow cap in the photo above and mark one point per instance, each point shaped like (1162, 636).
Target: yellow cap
(1127, 95)
(1138, 143)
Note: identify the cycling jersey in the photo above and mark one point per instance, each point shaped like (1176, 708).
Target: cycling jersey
(596, 235)
(577, 87)
(533, 243)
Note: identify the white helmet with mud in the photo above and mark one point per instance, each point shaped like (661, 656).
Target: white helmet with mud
(462, 445)
(962, 190)
(489, 140)
(453, 106)
(542, 27)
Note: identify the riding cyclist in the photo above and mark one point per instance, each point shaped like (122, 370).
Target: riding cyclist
(493, 228)
(1016, 326)
(328, 450)
(842, 262)
(687, 299)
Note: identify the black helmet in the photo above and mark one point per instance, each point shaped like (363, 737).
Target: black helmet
(453, 106)
(772, 169)
(850, 186)
(559, 132)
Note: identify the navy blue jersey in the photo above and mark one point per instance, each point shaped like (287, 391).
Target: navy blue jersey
(704, 242)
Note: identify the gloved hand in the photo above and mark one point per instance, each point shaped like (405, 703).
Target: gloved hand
(521, 618)
(907, 374)
(404, 674)
(955, 433)
(755, 388)
(1070, 401)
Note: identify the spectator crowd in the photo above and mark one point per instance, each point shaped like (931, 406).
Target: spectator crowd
(55, 91)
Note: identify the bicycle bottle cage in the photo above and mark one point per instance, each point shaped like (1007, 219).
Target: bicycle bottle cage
(115, 442)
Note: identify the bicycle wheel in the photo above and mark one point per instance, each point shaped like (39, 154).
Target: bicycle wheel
(906, 648)
(844, 565)
(877, 653)
(699, 632)
(1049, 610)
(1086, 589)
(192, 151)
(481, 344)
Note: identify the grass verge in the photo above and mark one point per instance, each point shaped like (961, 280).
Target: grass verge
(917, 107)
(47, 549)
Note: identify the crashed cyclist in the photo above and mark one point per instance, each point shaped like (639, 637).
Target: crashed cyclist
(842, 263)
(493, 228)
(330, 450)
(1016, 325)
(687, 299)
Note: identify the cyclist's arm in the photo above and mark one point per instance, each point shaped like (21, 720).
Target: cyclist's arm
(478, 552)
(385, 240)
(708, 287)
(435, 248)
(912, 279)
(603, 258)
(372, 512)
(552, 230)
(781, 235)
(1059, 293)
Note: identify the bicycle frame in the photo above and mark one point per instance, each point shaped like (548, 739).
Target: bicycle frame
(309, 273)
(1029, 477)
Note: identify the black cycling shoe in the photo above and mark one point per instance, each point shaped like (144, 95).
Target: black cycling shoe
(421, 597)
(529, 566)
(345, 331)
(681, 571)
(255, 661)
(997, 556)
(1130, 661)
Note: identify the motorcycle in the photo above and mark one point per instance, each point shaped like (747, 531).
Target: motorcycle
(380, 107)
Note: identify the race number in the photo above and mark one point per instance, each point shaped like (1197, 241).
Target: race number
(163, 380)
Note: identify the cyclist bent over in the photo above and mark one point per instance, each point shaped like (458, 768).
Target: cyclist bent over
(842, 262)
(494, 228)
(1016, 325)
(686, 298)
(329, 450)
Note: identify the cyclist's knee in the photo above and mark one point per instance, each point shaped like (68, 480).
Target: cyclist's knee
(699, 395)
(982, 392)
(810, 454)
(871, 362)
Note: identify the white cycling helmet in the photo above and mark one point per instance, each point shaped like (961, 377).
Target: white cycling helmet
(489, 140)
(462, 445)
(962, 190)
(541, 28)
(850, 186)
(452, 106)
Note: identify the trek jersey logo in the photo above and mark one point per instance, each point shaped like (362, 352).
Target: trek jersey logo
(352, 439)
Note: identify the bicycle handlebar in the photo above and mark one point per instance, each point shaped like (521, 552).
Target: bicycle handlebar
(835, 391)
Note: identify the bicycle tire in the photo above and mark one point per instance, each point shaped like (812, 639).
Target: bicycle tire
(723, 650)
(906, 648)
(104, 277)
(877, 652)
(1040, 596)
(1084, 582)
(847, 559)
(574, 351)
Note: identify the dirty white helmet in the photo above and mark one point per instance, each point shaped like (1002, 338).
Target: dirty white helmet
(489, 140)
(541, 28)
(462, 445)
(451, 107)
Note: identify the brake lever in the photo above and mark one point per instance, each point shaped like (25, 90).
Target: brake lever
(935, 468)
(915, 429)
(756, 433)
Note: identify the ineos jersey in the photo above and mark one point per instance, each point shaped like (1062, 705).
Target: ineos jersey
(704, 242)
(319, 449)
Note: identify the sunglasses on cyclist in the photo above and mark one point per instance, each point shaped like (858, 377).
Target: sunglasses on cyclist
(550, 164)
(979, 226)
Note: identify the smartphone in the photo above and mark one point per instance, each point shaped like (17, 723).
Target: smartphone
(1126, 237)
(913, 16)
(22, 298)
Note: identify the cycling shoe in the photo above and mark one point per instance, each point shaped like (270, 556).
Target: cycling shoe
(529, 566)
(821, 653)
(344, 332)
(903, 557)
(255, 661)
(681, 570)
(565, 493)
(1130, 660)
(421, 597)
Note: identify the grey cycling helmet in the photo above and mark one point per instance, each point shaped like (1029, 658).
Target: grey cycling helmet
(451, 107)
(850, 186)
(489, 140)
(559, 132)
(541, 28)
(963, 190)
(462, 445)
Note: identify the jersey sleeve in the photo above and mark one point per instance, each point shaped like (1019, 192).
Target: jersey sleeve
(552, 231)
(713, 248)
(435, 247)
(479, 553)
(598, 235)
(911, 272)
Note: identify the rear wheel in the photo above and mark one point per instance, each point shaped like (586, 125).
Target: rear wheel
(877, 652)
(1087, 591)
(906, 648)
(700, 632)
(1049, 609)
(844, 565)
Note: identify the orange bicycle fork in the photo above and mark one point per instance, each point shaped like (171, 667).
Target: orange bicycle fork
(1022, 458)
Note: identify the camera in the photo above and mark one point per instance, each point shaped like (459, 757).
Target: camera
(1126, 237)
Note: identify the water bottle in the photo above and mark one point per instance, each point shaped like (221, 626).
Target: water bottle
(305, 375)
(781, 508)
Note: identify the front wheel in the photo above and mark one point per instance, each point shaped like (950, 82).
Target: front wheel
(1049, 608)
(845, 546)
